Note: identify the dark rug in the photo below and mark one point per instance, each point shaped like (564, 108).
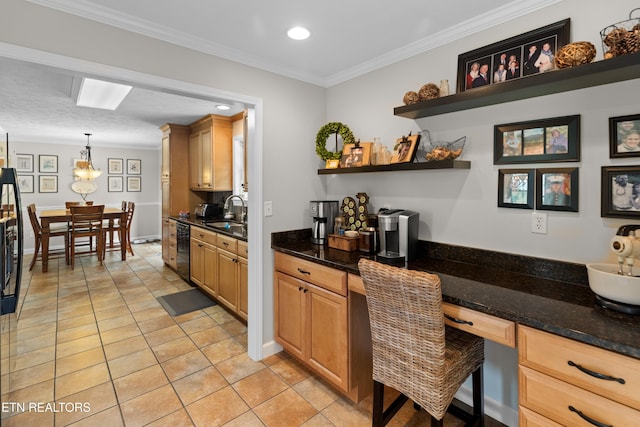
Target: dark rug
(185, 302)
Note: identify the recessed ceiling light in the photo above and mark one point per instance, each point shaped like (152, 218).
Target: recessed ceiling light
(298, 33)
(223, 107)
(101, 94)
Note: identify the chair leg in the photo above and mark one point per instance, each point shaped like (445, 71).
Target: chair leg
(66, 248)
(478, 401)
(437, 423)
(378, 404)
(35, 253)
(72, 254)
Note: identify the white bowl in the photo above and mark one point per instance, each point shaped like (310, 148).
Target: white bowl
(605, 281)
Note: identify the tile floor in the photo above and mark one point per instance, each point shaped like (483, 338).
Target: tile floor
(96, 346)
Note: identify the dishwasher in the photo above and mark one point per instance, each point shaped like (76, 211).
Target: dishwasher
(183, 232)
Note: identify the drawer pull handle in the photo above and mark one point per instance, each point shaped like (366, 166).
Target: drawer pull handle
(588, 419)
(300, 288)
(303, 271)
(462, 322)
(596, 374)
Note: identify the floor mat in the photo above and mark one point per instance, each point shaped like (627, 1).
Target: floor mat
(185, 302)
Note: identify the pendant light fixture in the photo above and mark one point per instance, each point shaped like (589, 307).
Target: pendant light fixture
(84, 169)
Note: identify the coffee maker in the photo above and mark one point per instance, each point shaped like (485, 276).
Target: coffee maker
(398, 234)
(323, 213)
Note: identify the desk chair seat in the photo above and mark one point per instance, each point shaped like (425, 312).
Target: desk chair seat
(57, 231)
(86, 221)
(413, 352)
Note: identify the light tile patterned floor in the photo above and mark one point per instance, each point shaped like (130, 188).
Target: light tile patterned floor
(98, 336)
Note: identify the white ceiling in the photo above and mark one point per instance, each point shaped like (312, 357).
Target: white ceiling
(348, 38)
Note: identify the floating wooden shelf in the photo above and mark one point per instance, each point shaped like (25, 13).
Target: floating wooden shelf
(441, 164)
(626, 67)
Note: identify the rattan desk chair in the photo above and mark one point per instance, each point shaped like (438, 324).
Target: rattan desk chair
(86, 221)
(413, 352)
(55, 231)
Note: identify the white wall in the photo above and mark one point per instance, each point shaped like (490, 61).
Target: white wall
(146, 219)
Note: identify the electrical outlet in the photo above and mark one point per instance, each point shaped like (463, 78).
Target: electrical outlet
(268, 208)
(539, 223)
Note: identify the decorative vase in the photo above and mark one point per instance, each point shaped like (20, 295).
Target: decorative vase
(444, 87)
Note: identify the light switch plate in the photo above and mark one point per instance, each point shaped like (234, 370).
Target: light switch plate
(268, 208)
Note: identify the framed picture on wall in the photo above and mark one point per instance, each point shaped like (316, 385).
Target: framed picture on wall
(48, 163)
(515, 188)
(620, 192)
(115, 166)
(134, 167)
(24, 163)
(624, 136)
(25, 183)
(134, 184)
(115, 184)
(557, 189)
(48, 184)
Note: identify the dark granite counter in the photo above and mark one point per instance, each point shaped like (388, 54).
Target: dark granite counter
(553, 296)
(207, 225)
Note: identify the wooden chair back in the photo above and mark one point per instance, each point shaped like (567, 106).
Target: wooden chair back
(35, 224)
(86, 221)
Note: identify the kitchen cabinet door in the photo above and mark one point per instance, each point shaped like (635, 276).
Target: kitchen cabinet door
(211, 269)
(227, 282)
(197, 261)
(243, 285)
(290, 320)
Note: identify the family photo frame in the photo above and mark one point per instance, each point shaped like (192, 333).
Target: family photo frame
(557, 189)
(624, 136)
(620, 189)
(516, 188)
(355, 155)
(537, 141)
(514, 58)
(405, 149)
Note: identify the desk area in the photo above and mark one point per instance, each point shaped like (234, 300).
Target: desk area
(48, 217)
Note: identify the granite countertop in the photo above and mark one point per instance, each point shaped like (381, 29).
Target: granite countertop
(198, 222)
(544, 294)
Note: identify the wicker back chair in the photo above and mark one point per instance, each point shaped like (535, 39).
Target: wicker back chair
(413, 351)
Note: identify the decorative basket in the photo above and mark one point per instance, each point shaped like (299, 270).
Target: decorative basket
(622, 37)
(429, 91)
(576, 53)
(411, 97)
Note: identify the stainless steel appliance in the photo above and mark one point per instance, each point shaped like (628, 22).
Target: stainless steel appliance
(183, 232)
(398, 234)
(323, 213)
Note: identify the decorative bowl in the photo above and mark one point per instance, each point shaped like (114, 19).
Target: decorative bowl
(444, 150)
(605, 281)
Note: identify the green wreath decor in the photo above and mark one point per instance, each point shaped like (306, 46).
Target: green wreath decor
(324, 132)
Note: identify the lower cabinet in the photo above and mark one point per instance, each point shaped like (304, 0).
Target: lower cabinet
(203, 259)
(170, 243)
(311, 321)
(565, 382)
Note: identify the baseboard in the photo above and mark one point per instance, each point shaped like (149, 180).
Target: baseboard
(492, 408)
(270, 348)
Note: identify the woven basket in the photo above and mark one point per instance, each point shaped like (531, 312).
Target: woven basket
(576, 53)
(622, 37)
(411, 97)
(429, 91)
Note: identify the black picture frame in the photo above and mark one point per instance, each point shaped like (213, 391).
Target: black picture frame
(134, 184)
(535, 141)
(565, 197)
(620, 198)
(516, 188)
(48, 184)
(48, 163)
(26, 183)
(556, 34)
(621, 144)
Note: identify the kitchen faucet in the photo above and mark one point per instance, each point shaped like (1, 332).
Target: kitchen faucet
(244, 208)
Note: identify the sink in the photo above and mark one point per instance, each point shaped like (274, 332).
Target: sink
(232, 227)
(605, 281)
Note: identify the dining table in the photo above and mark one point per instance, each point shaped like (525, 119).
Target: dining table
(48, 217)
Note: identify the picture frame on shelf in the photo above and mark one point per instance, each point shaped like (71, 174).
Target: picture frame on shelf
(549, 140)
(48, 163)
(24, 163)
(405, 149)
(25, 183)
(355, 155)
(624, 136)
(134, 184)
(115, 184)
(516, 188)
(557, 189)
(495, 58)
(134, 167)
(48, 184)
(115, 166)
(620, 192)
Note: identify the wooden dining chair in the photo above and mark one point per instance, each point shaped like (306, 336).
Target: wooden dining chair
(55, 231)
(113, 227)
(86, 221)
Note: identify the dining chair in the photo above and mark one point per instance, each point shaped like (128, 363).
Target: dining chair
(54, 231)
(113, 226)
(86, 221)
(414, 352)
(69, 204)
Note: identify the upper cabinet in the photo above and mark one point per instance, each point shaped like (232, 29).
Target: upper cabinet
(210, 152)
(175, 159)
(612, 70)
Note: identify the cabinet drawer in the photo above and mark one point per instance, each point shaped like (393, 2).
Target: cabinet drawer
(243, 249)
(204, 235)
(529, 418)
(484, 325)
(356, 284)
(560, 358)
(325, 277)
(227, 243)
(561, 401)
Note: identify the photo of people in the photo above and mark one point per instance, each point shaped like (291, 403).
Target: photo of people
(516, 188)
(353, 158)
(623, 192)
(624, 136)
(512, 145)
(533, 141)
(557, 140)
(557, 189)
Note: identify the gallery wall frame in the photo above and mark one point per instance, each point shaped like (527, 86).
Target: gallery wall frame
(620, 192)
(24, 163)
(115, 184)
(516, 188)
(48, 163)
(134, 167)
(549, 140)
(557, 189)
(116, 166)
(25, 183)
(624, 136)
(48, 184)
(134, 184)
(514, 49)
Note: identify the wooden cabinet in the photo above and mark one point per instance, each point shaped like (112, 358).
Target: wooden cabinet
(210, 153)
(311, 320)
(203, 259)
(243, 279)
(169, 242)
(570, 383)
(480, 324)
